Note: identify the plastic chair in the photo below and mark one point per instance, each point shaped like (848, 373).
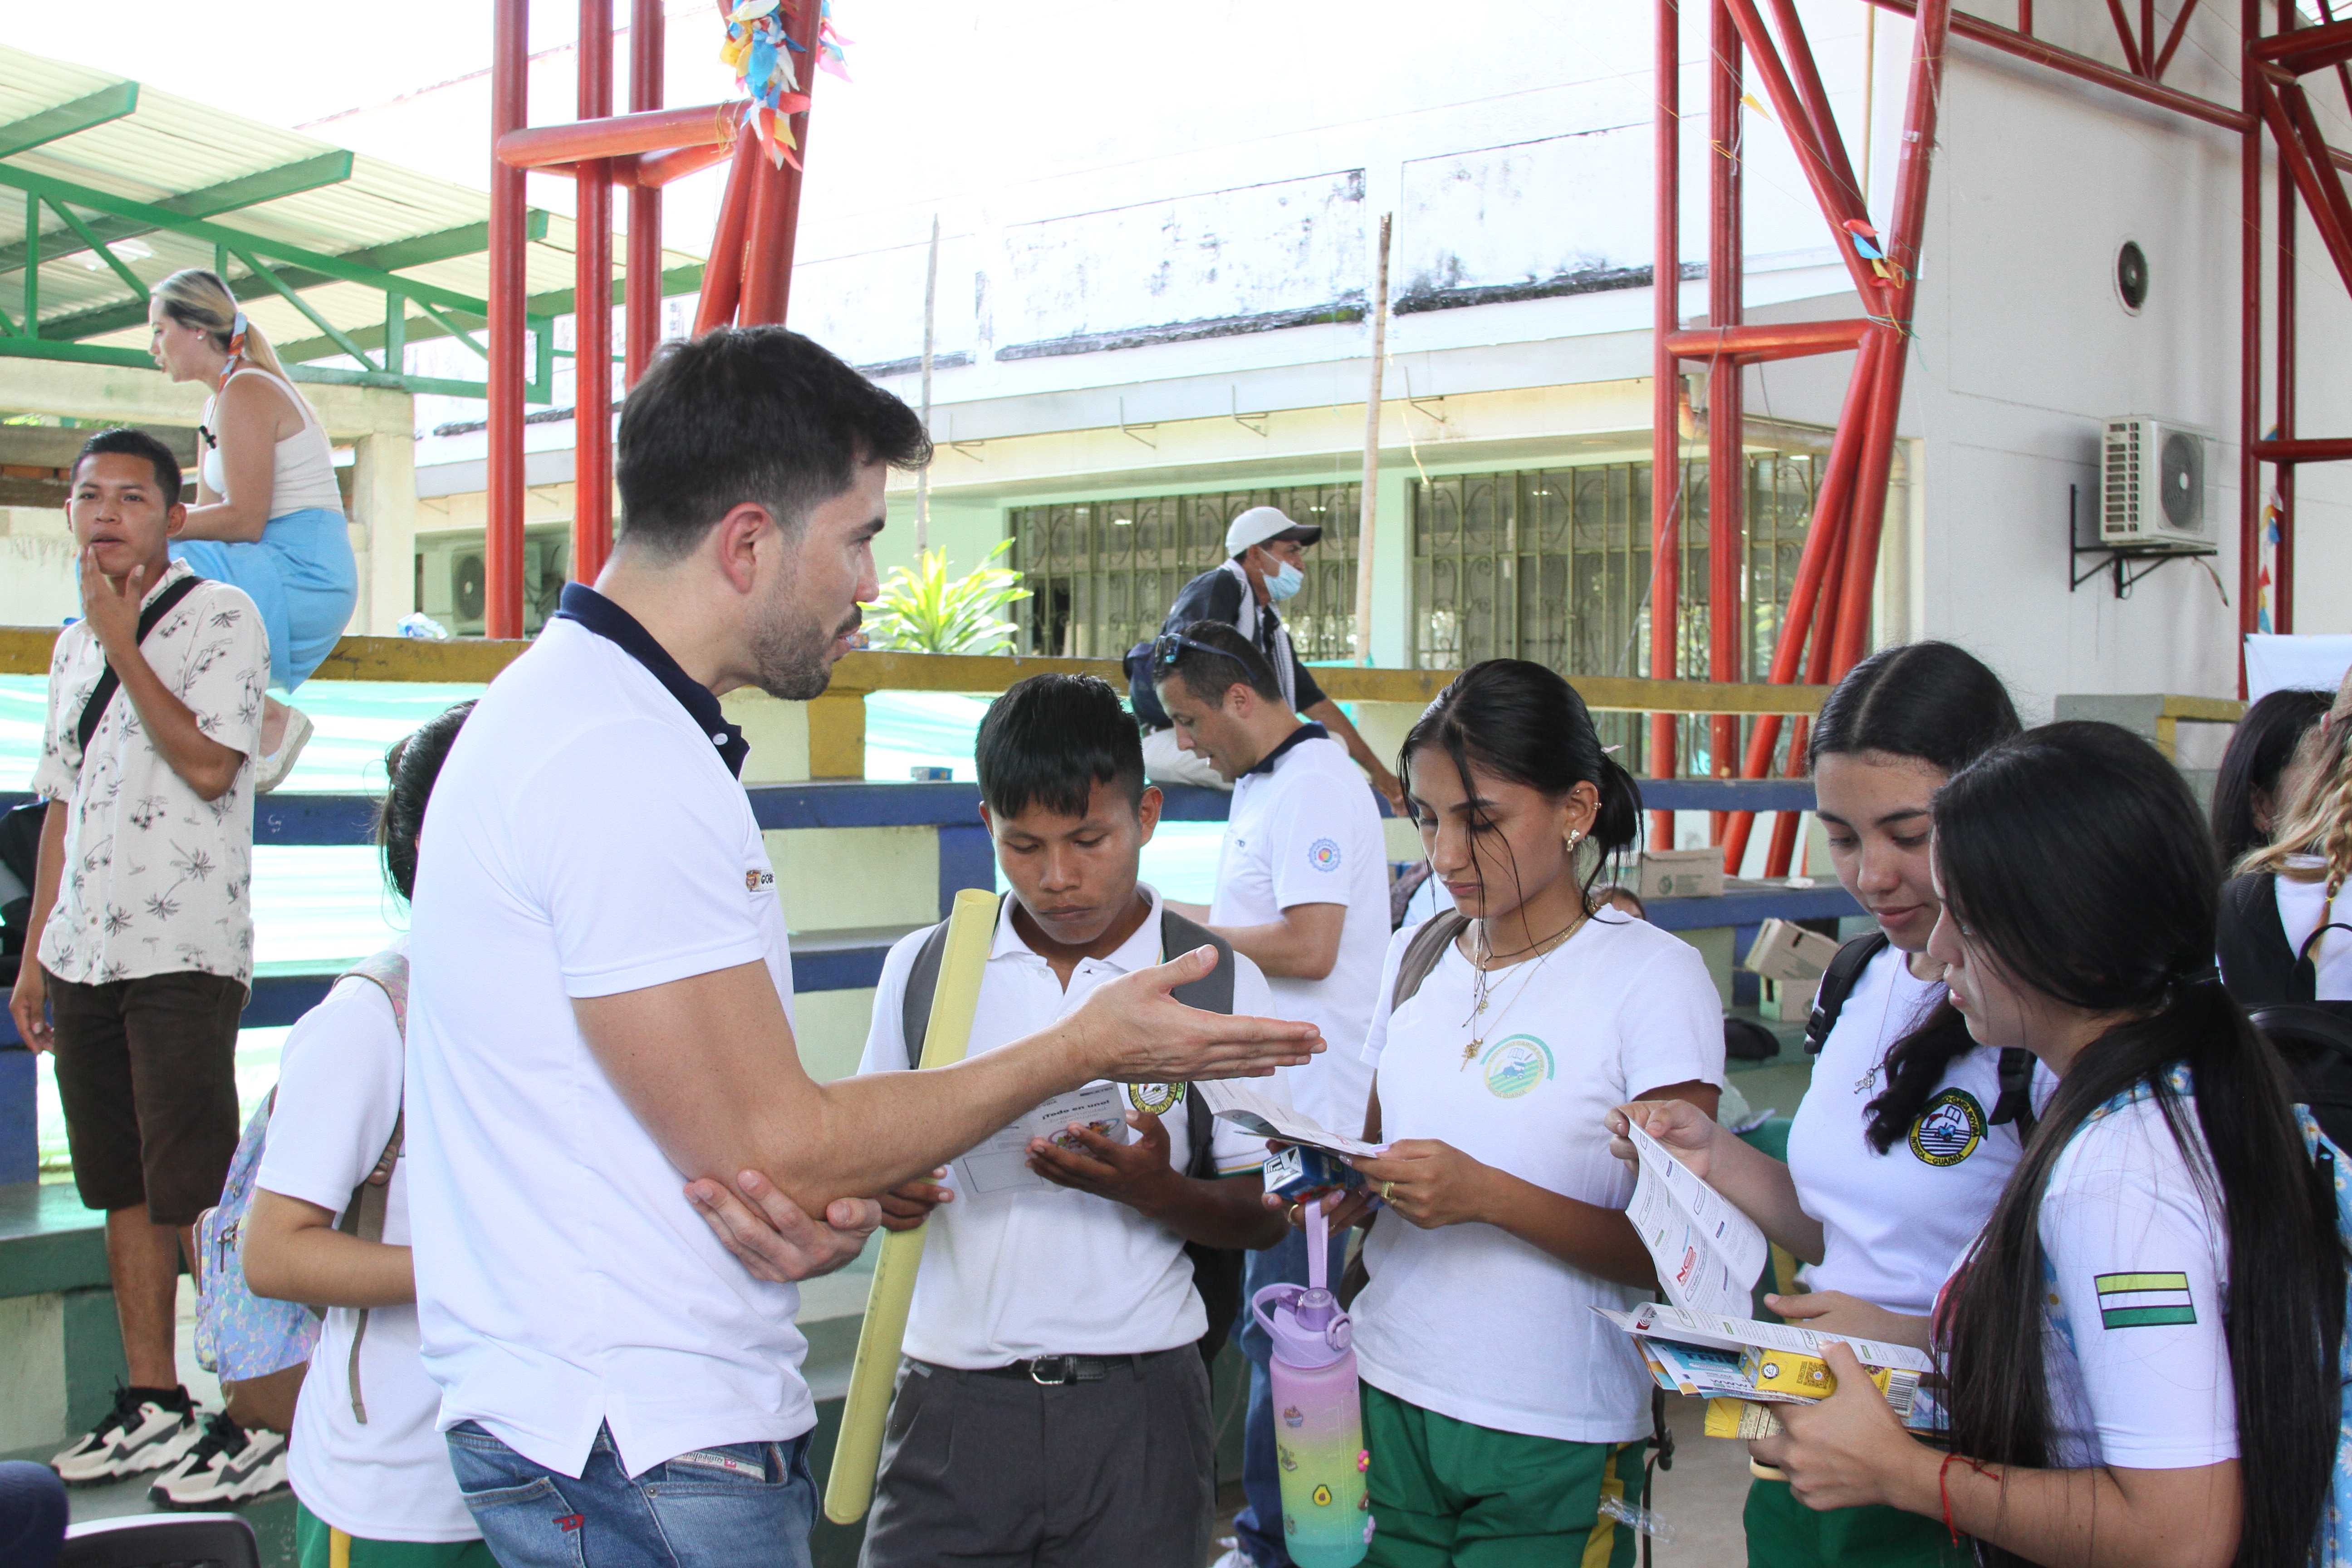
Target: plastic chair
(197, 1540)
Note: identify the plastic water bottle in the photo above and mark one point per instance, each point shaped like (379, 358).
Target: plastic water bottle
(1318, 1424)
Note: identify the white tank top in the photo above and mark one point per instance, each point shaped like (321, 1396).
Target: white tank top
(305, 469)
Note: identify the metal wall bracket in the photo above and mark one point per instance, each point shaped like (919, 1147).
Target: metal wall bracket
(1234, 398)
(1130, 430)
(2119, 560)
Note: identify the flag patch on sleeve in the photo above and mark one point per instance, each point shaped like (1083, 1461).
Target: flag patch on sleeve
(2138, 1300)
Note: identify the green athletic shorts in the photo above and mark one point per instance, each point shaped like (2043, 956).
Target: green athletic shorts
(312, 1549)
(1446, 1494)
(1784, 1533)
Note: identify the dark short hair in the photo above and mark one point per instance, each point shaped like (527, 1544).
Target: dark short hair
(412, 764)
(1932, 701)
(2259, 749)
(1210, 675)
(1049, 739)
(750, 413)
(136, 444)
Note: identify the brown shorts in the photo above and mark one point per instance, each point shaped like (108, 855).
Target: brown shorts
(147, 1074)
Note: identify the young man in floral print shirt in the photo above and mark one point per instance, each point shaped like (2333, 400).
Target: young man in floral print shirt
(142, 912)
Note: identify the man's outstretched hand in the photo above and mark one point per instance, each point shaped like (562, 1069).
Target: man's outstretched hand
(1132, 1031)
(771, 1236)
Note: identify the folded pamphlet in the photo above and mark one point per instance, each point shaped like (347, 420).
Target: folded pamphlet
(1001, 1163)
(1708, 1255)
(1254, 1113)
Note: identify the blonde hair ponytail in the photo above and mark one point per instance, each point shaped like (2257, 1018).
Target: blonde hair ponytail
(196, 297)
(2318, 820)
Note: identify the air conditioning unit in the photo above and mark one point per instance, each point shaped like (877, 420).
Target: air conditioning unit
(2152, 488)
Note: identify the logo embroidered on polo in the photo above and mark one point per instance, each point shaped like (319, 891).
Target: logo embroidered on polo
(1949, 1130)
(1323, 854)
(1515, 1065)
(2144, 1300)
(755, 880)
(1155, 1099)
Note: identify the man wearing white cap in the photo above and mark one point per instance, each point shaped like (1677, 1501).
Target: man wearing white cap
(1266, 564)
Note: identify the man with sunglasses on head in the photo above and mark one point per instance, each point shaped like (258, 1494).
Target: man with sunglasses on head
(1302, 891)
(1265, 565)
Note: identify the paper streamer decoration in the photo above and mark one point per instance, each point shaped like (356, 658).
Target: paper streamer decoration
(758, 49)
(858, 1454)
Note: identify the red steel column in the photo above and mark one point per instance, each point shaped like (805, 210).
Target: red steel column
(722, 274)
(1665, 404)
(502, 555)
(644, 316)
(2283, 565)
(1933, 28)
(776, 199)
(1727, 463)
(591, 311)
(2250, 333)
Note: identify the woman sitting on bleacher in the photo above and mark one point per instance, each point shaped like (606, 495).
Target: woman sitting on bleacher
(2141, 1352)
(371, 1471)
(1895, 1158)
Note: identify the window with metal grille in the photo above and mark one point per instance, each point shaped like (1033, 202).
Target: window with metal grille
(1553, 566)
(1101, 575)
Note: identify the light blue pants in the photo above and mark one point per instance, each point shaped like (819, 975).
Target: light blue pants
(302, 576)
(745, 1505)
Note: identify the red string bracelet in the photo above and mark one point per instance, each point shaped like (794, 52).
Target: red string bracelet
(1943, 1490)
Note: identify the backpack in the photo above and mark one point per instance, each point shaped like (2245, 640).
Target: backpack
(2278, 984)
(242, 1336)
(1216, 1271)
(1838, 981)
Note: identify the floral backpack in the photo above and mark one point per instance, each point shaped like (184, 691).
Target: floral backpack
(239, 1335)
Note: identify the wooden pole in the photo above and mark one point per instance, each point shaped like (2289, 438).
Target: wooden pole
(931, 320)
(1371, 483)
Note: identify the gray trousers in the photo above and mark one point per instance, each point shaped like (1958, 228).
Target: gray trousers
(987, 1471)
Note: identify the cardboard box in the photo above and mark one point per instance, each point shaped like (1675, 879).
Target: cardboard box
(1805, 1377)
(1787, 1001)
(1681, 874)
(1784, 950)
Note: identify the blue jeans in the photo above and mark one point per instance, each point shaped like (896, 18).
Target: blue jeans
(745, 1505)
(1257, 1529)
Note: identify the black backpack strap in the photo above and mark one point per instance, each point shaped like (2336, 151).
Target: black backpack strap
(2258, 963)
(102, 695)
(1423, 953)
(1212, 993)
(2306, 979)
(2016, 1102)
(1837, 982)
(922, 981)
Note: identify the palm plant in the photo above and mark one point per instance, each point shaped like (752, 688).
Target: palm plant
(923, 610)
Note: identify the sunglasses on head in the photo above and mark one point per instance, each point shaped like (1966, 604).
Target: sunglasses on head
(1169, 646)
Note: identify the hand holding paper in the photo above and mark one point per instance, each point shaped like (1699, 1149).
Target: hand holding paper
(1708, 1255)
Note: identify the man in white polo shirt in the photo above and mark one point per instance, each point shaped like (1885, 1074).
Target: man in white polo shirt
(1302, 887)
(600, 1003)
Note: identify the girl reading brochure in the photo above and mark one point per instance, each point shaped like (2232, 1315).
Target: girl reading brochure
(1501, 1412)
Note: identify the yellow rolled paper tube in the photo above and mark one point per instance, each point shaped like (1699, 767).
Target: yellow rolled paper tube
(857, 1453)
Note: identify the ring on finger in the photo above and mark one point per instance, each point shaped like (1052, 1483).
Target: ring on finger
(1388, 1191)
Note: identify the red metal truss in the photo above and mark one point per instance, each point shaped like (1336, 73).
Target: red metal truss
(1826, 629)
(748, 278)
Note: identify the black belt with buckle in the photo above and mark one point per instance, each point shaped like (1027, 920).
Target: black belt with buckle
(1053, 1370)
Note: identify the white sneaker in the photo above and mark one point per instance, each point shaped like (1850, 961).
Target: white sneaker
(271, 770)
(142, 1433)
(229, 1465)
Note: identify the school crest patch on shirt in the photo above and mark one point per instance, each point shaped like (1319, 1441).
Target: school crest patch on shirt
(1949, 1129)
(1155, 1099)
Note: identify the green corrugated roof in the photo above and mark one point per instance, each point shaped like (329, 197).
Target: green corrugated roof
(109, 152)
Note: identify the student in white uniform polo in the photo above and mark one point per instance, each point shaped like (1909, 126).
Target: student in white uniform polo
(599, 1020)
(1905, 1136)
(2139, 1357)
(1302, 887)
(381, 1482)
(1498, 1409)
(1052, 1350)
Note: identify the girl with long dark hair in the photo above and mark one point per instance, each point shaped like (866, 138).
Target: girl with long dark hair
(1499, 1410)
(2267, 758)
(2139, 1353)
(1895, 1160)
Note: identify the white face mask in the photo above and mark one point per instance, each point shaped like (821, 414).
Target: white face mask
(1287, 580)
